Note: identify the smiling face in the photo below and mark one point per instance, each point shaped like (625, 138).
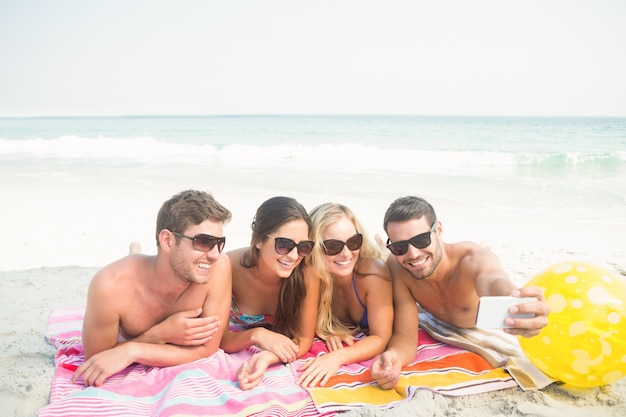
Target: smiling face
(421, 263)
(343, 263)
(192, 265)
(283, 265)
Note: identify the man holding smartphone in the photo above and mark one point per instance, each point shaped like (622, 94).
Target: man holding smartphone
(446, 280)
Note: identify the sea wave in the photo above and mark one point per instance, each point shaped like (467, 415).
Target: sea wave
(350, 156)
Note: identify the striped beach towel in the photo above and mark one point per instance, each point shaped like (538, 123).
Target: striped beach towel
(208, 387)
(205, 387)
(495, 346)
(437, 367)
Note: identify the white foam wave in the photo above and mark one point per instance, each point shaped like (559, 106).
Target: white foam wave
(340, 157)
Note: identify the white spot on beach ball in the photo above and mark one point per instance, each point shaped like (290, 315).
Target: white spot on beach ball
(599, 296)
(577, 303)
(557, 303)
(547, 341)
(581, 364)
(613, 318)
(581, 268)
(607, 278)
(612, 376)
(571, 279)
(577, 328)
(561, 268)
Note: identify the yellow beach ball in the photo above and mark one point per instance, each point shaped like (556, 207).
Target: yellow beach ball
(584, 343)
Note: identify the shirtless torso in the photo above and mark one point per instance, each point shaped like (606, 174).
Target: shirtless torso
(451, 293)
(137, 305)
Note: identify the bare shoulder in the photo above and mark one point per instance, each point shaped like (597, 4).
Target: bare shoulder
(395, 269)
(235, 255)
(373, 268)
(471, 256)
(121, 273)
(224, 262)
(467, 250)
(311, 274)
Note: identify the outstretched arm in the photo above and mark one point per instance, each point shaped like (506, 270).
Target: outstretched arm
(491, 279)
(402, 346)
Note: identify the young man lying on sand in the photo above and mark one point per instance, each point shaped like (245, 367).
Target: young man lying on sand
(445, 279)
(169, 309)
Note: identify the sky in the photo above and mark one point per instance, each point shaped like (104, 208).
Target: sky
(186, 57)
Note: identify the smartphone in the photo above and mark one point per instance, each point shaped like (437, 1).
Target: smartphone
(493, 310)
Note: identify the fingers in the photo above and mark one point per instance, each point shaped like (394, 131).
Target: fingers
(90, 375)
(312, 377)
(200, 330)
(530, 291)
(389, 382)
(243, 377)
(528, 327)
(386, 361)
(334, 343)
(286, 352)
(382, 371)
(305, 365)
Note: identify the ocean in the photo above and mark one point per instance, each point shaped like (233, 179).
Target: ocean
(62, 175)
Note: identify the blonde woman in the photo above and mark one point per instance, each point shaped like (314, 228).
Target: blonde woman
(356, 293)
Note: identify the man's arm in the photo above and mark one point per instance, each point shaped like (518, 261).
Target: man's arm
(402, 346)
(101, 324)
(405, 317)
(491, 279)
(216, 303)
(113, 357)
(379, 302)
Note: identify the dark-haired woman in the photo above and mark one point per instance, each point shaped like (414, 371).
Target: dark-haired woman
(274, 303)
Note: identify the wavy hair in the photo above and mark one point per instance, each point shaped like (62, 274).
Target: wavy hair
(270, 216)
(322, 216)
(407, 208)
(189, 207)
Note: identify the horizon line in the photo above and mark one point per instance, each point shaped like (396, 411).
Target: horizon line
(77, 116)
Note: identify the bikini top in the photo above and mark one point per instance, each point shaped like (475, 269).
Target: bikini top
(247, 321)
(363, 323)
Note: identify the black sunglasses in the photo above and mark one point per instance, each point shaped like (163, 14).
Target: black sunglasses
(204, 243)
(284, 245)
(419, 241)
(333, 246)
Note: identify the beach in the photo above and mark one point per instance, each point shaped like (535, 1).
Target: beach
(27, 297)
(73, 204)
(510, 119)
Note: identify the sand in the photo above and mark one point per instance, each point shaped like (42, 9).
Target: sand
(29, 290)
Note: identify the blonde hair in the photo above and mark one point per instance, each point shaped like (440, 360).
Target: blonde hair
(322, 216)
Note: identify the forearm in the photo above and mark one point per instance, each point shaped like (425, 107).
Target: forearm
(151, 354)
(304, 345)
(362, 350)
(501, 286)
(405, 348)
(237, 341)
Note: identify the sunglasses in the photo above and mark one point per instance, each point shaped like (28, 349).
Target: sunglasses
(333, 246)
(419, 241)
(204, 243)
(284, 245)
